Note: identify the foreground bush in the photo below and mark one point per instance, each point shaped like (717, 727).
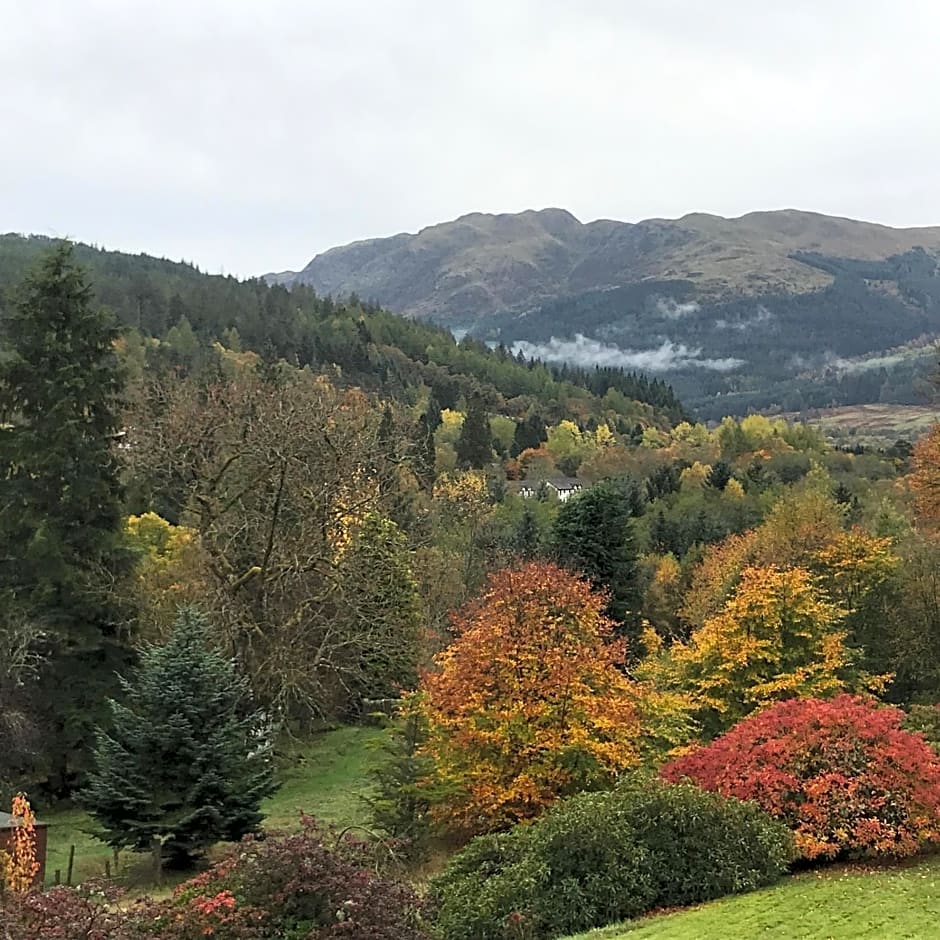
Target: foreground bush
(599, 858)
(842, 775)
(309, 886)
(299, 887)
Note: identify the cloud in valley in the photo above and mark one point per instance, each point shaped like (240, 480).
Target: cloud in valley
(671, 310)
(760, 318)
(584, 351)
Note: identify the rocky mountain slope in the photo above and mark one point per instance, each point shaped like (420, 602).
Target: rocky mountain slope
(459, 271)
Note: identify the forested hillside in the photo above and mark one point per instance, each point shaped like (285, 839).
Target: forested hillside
(618, 658)
(771, 311)
(869, 336)
(189, 310)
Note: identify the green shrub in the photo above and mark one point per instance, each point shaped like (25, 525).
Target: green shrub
(924, 719)
(598, 858)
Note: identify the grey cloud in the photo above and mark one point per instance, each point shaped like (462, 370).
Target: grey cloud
(829, 360)
(249, 136)
(584, 351)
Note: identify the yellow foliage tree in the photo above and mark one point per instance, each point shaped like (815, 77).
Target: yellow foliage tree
(801, 524)
(777, 637)
(694, 477)
(168, 573)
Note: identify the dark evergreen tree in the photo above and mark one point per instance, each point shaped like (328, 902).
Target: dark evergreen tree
(528, 536)
(662, 481)
(185, 762)
(662, 534)
(720, 475)
(593, 535)
(425, 453)
(61, 497)
(400, 801)
(385, 435)
(474, 447)
(433, 413)
(530, 432)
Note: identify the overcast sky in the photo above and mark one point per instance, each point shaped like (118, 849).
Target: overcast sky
(249, 136)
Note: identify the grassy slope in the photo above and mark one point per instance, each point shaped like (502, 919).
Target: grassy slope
(877, 423)
(325, 778)
(885, 904)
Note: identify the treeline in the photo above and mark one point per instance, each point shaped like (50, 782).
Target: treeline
(371, 348)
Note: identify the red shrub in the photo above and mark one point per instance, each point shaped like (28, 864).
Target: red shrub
(61, 914)
(840, 773)
(308, 886)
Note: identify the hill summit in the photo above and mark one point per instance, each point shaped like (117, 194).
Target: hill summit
(481, 264)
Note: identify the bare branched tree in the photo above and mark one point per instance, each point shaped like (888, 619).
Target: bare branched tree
(21, 658)
(276, 477)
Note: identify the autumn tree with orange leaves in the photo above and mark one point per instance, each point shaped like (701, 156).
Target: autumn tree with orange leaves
(19, 867)
(528, 703)
(925, 480)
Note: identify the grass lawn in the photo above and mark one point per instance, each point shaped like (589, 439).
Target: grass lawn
(325, 777)
(900, 903)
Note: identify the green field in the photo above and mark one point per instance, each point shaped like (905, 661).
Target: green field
(900, 903)
(326, 777)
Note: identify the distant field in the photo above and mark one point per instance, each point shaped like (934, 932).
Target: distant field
(867, 422)
(900, 903)
(326, 777)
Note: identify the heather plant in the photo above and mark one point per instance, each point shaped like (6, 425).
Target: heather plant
(307, 886)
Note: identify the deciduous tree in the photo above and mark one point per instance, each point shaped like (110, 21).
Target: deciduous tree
(841, 774)
(777, 637)
(925, 479)
(276, 479)
(529, 703)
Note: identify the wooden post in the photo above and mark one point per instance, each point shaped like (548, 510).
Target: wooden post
(68, 870)
(107, 868)
(156, 848)
(58, 876)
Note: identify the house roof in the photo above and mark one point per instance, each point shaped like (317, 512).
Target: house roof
(560, 483)
(564, 483)
(9, 822)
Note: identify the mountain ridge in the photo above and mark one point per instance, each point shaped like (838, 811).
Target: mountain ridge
(484, 263)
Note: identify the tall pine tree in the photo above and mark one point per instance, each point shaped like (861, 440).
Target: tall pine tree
(60, 494)
(593, 535)
(474, 447)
